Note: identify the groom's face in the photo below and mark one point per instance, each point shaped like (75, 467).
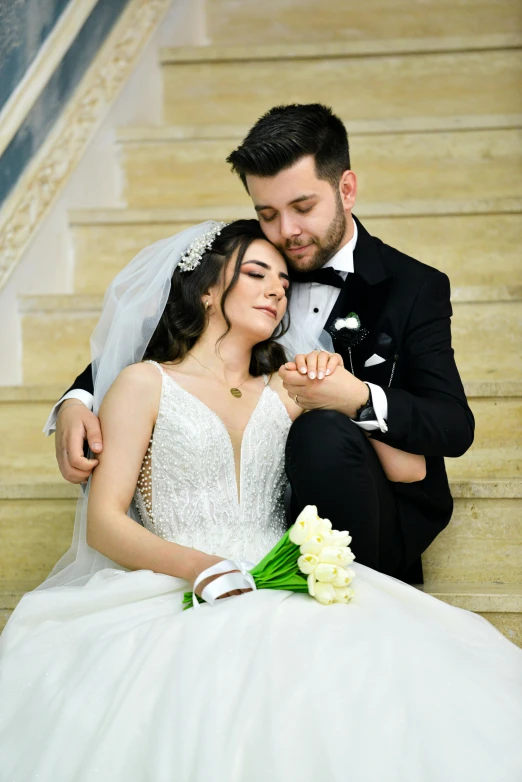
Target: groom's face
(303, 216)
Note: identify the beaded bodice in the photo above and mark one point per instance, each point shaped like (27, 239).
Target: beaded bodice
(187, 490)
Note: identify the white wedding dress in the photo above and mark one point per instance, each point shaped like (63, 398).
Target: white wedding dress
(113, 682)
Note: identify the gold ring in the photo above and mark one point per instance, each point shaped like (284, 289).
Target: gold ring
(295, 399)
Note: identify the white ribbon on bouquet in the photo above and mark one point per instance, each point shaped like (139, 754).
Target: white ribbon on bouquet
(239, 578)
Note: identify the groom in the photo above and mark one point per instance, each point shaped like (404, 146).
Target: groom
(385, 313)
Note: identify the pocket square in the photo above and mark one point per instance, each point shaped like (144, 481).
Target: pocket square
(385, 345)
(373, 360)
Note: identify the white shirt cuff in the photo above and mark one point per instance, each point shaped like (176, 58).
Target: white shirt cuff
(76, 393)
(380, 405)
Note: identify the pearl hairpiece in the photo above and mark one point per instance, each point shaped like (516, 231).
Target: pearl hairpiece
(192, 257)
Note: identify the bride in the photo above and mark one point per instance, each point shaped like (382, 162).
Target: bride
(104, 677)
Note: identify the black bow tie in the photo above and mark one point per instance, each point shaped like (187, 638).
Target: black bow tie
(326, 276)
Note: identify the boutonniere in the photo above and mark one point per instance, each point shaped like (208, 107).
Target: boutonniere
(346, 333)
(349, 330)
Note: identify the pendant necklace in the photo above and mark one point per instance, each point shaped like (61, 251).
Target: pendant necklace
(234, 390)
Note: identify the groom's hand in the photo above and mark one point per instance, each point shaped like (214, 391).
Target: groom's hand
(74, 425)
(340, 391)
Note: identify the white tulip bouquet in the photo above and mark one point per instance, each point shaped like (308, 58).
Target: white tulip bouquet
(311, 557)
(325, 556)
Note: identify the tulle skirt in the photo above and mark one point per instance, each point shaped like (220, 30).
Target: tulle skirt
(114, 682)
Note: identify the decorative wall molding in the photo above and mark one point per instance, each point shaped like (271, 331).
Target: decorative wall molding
(42, 68)
(48, 172)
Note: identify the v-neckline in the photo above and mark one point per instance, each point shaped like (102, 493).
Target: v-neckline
(238, 484)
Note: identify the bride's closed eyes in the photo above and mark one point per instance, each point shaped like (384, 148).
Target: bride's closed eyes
(259, 274)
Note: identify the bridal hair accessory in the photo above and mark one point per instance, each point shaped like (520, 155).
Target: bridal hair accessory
(192, 257)
(311, 557)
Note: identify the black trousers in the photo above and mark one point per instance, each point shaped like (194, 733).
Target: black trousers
(330, 463)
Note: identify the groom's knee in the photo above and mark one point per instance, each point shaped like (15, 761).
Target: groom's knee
(324, 436)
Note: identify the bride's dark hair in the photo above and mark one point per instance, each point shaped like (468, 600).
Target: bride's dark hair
(184, 318)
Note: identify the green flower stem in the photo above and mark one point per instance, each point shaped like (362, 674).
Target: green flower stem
(277, 570)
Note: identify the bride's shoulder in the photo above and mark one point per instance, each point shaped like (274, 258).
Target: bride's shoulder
(135, 393)
(137, 381)
(140, 375)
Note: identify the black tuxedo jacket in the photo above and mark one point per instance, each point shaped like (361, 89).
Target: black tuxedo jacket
(405, 306)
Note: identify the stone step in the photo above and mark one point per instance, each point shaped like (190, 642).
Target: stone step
(473, 249)
(478, 553)
(483, 541)
(497, 406)
(357, 127)
(55, 336)
(501, 605)
(487, 462)
(35, 532)
(496, 451)
(27, 452)
(378, 47)
(486, 336)
(294, 21)
(362, 80)
(405, 165)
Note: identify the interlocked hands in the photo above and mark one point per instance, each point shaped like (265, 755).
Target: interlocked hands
(319, 380)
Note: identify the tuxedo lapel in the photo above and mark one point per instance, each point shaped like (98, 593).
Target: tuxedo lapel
(364, 292)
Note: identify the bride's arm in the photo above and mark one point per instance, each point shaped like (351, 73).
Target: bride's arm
(400, 466)
(127, 417)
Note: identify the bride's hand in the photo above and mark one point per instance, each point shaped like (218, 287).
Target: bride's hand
(207, 561)
(317, 364)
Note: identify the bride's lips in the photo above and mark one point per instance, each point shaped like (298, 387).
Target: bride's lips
(269, 311)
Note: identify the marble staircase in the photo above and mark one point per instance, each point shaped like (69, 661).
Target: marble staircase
(431, 95)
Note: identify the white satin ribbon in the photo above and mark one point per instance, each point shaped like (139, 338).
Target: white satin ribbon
(227, 582)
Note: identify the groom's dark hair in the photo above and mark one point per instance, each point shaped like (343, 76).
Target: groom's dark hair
(285, 134)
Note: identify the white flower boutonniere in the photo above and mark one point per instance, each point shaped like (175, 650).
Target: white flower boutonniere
(351, 322)
(348, 331)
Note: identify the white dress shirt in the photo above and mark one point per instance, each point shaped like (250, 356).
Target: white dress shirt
(314, 302)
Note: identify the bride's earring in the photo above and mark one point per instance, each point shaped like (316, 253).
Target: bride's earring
(206, 304)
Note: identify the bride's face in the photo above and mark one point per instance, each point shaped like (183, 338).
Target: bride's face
(257, 302)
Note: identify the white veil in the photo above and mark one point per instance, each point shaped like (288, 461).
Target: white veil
(132, 308)
(301, 339)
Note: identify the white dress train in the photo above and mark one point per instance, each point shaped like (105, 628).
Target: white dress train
(113, 682)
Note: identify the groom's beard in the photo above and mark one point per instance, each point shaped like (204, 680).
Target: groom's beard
(326, 247)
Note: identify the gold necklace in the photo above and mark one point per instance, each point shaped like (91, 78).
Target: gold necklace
(234, 390)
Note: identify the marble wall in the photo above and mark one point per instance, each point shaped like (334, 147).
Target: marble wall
(19, 45)
(24, 26)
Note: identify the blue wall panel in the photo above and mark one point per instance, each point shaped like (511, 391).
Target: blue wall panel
(59, 89)
(24, 26)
